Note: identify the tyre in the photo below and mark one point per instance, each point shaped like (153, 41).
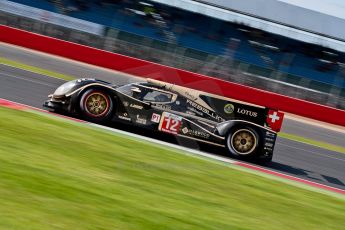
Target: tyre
(243, 142)
(96, 105)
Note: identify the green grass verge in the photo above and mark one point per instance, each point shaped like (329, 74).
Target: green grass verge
(61, 175)
(319, 144)
(35, 69)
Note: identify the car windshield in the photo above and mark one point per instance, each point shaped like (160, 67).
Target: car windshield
(126, 89)
(157, 96)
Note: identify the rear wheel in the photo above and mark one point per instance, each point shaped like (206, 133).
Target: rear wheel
(96, 105)
(243, 142)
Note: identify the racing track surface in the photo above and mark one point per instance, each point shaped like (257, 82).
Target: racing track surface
(294, 158)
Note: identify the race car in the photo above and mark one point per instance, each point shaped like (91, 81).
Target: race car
(247, 131)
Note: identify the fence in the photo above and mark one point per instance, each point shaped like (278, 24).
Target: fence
(192, 60)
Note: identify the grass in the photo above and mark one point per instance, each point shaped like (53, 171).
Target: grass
(35, 69)
(67, 77)
(61, 175)
(308, 141)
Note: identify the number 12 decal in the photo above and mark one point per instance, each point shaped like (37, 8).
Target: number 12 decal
(170, 123)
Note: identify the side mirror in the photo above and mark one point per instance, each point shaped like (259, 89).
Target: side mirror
(135, 90)
(147, 105)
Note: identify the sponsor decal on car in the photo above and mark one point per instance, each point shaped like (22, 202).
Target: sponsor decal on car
(195, 133)
(170, 123)
(190, 113)
(155, 118)
(247, 112)
(125, 103)
(162, 106)
(135, 106)
(267, 144)
(268, 149)
(124, 117)
(269, 139)
(190, 96)
(140, 120)
(204, 110)
(197, 106)
(229, 108)
(85, 79)
(195, 111)
(185, 130)
(275, 119)
(270, 134)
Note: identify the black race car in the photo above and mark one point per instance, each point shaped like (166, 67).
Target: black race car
(247, 131)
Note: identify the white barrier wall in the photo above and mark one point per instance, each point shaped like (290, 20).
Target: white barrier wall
(274, 17)
(50, 17)
(317, 21)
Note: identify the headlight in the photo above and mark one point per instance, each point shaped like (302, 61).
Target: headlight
(64, 89)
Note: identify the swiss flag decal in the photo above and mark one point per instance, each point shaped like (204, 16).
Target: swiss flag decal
(275, 120)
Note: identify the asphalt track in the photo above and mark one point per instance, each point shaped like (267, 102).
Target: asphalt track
(293, 158)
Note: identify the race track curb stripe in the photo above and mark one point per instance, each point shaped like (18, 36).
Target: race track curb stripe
(19, 106)
(11, 105)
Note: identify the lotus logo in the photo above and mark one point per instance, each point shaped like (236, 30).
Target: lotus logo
(229, 108)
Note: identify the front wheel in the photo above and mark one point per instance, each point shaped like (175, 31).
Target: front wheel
(96, 105)
(243, 142)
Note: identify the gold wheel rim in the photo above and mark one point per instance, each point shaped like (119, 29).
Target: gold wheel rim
(243, 141)
(97, 104)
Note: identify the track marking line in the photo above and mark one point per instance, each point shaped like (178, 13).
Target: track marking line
(255, 169)
(45, 75)
(309, 121)
(25, 79)
(304, 128)
(313, 152)
(67, 61)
